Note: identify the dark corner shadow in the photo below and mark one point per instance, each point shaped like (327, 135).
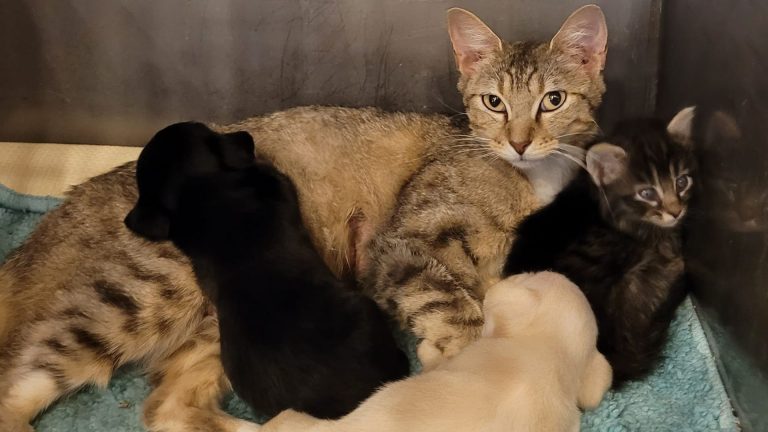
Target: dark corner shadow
(21, 72)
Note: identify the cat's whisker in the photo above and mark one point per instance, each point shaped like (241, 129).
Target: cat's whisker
(570, 157)
(579, 156)
(572, 149)
(599, 129)
(468, 138)
(459, 136)
(442, 102)
(607, 203)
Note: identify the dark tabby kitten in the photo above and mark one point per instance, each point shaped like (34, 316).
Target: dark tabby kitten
(615, 233)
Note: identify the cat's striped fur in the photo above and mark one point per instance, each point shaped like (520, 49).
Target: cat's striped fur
(453, 224)
(83, 296)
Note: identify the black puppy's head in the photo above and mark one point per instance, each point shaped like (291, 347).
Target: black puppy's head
(173, 156)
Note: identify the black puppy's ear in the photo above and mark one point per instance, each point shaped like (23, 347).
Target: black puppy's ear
(148, 222)
(237, 150)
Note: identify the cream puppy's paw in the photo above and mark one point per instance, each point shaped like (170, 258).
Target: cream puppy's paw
(244, 426)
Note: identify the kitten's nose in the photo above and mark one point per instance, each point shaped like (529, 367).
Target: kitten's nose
(675, 212)
(520, 146)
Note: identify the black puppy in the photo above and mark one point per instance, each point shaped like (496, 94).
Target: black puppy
(292, 335)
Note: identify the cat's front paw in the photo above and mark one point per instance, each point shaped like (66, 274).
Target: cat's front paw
(429, 355)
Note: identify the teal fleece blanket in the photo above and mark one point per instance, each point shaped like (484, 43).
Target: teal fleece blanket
(684, 394)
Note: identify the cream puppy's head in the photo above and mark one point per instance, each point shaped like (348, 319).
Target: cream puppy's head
(551, 308)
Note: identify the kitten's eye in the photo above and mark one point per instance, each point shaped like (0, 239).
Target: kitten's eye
(552, 101)
(648, 194)
(682, 182)
(494, 103)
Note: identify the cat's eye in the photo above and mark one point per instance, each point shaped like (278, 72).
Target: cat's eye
(682, 183)
(494, 103)
(648, 194)
(552, 101)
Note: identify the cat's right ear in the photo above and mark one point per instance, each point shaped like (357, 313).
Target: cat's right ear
(584, 37)
(606, 163)
(148, 222)
(472, 40)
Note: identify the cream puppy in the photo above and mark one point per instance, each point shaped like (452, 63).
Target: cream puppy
(533, 369)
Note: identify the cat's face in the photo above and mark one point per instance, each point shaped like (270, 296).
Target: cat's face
(526, 100)
(646, 172)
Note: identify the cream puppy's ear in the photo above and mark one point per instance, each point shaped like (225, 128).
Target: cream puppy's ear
(595, 381)
(509, 307)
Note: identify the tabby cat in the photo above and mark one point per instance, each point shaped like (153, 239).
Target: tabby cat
(615, 232)
(531, 107)
(83, 295)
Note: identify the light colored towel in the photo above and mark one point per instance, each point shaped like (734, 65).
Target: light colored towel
(50, 169)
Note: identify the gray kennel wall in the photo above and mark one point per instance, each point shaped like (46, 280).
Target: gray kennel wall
(113, 72)
(715, 55)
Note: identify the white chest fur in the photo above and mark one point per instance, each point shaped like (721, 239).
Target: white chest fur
(549, 176)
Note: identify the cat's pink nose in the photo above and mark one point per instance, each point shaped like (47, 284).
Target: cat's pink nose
(520, 146)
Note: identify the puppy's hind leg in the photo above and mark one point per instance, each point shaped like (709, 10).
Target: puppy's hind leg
(189, 387)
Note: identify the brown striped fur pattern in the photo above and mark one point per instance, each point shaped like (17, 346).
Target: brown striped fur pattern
(445, 245)
(453, 225)
(83, 295)
(87, 295)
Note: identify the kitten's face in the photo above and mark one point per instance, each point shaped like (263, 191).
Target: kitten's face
(646, 173)
(526, 100)
(659, 193)
(734, 174)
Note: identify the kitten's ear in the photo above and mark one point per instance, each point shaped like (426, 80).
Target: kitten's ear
(471, 38)
(509, 306)
(722, 126)
(606, 163)
(237, 150)
(681, 125)
(584, 36)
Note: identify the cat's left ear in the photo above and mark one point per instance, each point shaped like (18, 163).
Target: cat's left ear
(584, 36)
(606, 163)
(472, 40)
(681, 125)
